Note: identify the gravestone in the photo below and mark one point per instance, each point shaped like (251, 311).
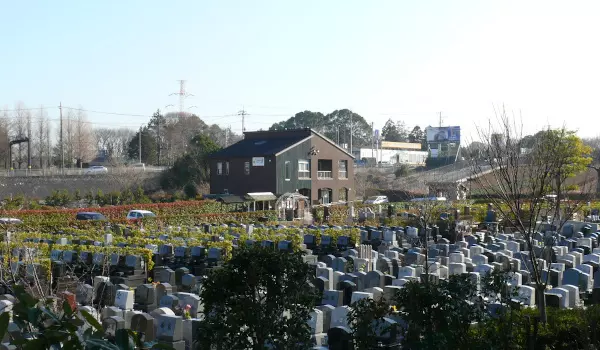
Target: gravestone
(112, 324)
(84, 294)
(347, 288)
(340, 338)
(169, 301)
(334, 298)
(340, 264)
(124, 299)
(374, 279)
(169, 328)
(143, 323)
(163, 289)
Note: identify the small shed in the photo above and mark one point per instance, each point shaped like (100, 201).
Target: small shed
(292, 206)
(232, 199)
(260, 200)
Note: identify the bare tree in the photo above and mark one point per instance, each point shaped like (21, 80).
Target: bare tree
(113, 142)
(48, 145)
(20, 130)
(84, 141)
(4, 135)
(103, 137)
(518, 185)
(40, 142)
(118, 147)
(68, 138)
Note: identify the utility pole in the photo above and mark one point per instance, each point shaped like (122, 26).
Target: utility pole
(372, 139)
(227, 136)
(29, 126)
(440, 119)
(350, 146)
(158, 138)
(140, 144)
(62, 151)
(243, 114)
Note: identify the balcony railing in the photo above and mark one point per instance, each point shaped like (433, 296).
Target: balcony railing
(343, 174)
(324, 175)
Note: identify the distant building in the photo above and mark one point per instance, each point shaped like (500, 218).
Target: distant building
(393, 153)
(443, 143)
(279, 162)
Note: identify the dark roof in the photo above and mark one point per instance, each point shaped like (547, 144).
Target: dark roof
(260, 146)
(231, 199)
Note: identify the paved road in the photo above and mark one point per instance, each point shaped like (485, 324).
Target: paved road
(76, 172)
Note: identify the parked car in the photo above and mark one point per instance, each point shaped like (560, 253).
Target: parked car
(88, 215)
(97, 169)
(139, 167)
(140, 214)
(377, 200)
(10, 221)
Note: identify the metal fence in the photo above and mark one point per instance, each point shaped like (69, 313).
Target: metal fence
(79, 171)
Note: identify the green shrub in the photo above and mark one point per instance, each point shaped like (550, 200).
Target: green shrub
(190, 190)
(402, 171)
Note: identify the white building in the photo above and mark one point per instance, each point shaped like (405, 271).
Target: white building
(395, 156)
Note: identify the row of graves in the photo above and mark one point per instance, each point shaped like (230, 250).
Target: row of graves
(379, 265)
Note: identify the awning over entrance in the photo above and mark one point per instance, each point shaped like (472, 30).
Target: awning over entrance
(261, 196)
(231, 199)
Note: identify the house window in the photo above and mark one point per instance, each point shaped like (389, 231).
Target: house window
(324, 169)
(303, 169)
(247, 168)
(343, 195)
(325, 196)
(219, 168)
(288, 170)
(343, 169)
(226, 168)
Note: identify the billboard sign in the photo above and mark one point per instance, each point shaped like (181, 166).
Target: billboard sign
(443, 134)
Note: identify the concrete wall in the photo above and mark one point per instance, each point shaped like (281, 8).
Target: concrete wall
(41, 187)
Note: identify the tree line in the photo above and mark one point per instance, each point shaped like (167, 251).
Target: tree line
(164, 138)
(339, 124)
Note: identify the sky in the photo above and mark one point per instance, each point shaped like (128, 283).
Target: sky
(405, 60)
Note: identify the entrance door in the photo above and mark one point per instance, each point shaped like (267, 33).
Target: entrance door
(325, 196)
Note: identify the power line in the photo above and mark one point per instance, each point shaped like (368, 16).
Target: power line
(111, 113)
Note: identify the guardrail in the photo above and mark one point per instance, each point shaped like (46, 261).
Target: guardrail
(78, 171)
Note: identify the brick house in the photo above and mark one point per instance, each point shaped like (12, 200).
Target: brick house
(278, 162)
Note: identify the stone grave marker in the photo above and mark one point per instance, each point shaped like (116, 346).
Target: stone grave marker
(124, 299)
(334, 298)
(143, 323)
(84, 294)
(339, 338)
(169, 301)
(112, 324)
(169, 328)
